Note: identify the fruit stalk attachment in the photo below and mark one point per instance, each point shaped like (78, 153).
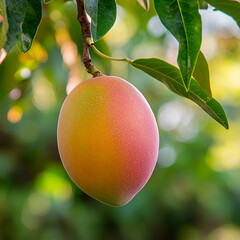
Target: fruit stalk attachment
(86, 32)
(91, 43)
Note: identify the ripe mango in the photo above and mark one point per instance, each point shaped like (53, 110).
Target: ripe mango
(108, 139)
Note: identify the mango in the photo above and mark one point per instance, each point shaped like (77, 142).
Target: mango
(108, 139)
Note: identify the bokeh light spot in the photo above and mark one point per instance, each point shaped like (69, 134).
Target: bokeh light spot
(25, 73)
(178, 116)
(55, 15)
(155, 27)
(166, 156)
(69, 52)
(226, 232)
(15, 94)
(38, 203)
(15, 114)
(123, 29)
(43, 94)
(54, 185)
(224, 155)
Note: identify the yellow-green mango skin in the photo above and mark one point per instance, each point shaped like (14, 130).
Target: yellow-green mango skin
(108, 139)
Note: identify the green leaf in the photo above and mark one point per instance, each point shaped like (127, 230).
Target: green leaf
(171, 77)
(103, 16)
(15, 13)
(4, 24)
(201, 74)
(183, 20)
(144, 4)
(30, 24)
(47, 1)
(230, 7)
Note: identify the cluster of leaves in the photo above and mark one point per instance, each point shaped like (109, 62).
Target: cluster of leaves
(183, 20)
(19, 21)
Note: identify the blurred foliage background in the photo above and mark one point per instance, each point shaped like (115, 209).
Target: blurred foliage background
(194, 192)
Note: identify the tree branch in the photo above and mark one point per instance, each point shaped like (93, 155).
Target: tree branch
(86, 32)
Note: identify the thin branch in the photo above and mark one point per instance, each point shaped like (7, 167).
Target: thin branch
(90, 43)
(86, 32)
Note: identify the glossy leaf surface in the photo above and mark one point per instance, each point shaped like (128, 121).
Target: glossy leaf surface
(30, 24)
(171, 77)
(182, 19)
(103, 16)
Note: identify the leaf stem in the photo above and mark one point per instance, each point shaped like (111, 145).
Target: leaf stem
(91, 43)
(86, 32)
